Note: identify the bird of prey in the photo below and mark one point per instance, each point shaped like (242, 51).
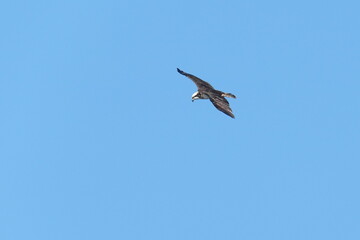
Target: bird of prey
(206, 91)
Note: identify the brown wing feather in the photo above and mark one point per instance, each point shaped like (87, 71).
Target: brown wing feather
(199, 82)
(222, 105)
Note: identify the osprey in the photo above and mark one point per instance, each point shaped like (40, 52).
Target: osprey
(206, 91)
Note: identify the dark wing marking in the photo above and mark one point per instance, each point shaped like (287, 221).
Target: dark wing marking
(199, 83)
(222, 105)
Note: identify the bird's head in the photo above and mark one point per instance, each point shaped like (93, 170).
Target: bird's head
(195, 96)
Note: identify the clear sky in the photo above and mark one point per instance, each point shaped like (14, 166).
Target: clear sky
(99, 138)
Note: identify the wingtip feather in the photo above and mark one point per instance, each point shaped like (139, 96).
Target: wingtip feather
(229, 95)
(231, 115)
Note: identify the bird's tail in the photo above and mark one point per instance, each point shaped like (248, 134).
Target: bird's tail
(228, 95)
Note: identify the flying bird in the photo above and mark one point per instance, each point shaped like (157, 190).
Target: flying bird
(206, 91)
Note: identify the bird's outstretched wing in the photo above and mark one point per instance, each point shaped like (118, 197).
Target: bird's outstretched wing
(199, 83)
(222, 105)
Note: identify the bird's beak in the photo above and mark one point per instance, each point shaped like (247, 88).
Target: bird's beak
(192, 100)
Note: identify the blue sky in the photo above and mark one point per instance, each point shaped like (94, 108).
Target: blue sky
(99, 138)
